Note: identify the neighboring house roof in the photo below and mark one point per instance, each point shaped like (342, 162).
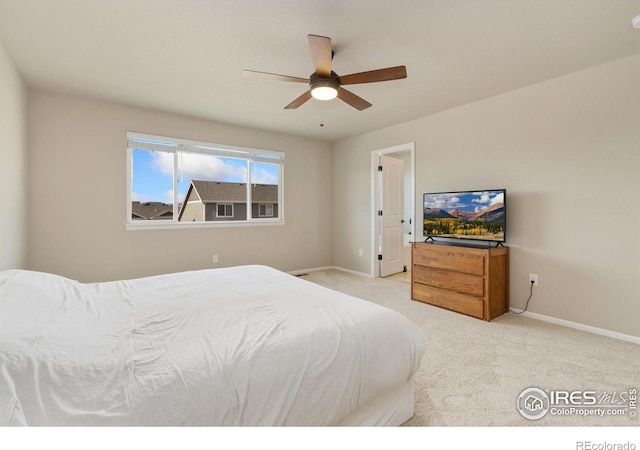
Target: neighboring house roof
(224, 192)
(264, 193)
(151, 210)
(215, 192)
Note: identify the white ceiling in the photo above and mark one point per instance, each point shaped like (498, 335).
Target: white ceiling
(187, 56)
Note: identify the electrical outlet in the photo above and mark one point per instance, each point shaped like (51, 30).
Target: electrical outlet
(533, 278)
(360, 253)
(215, 259)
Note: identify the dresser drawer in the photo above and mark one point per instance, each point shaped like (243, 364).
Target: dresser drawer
(455, 301)
(449, 258)
(454, 281)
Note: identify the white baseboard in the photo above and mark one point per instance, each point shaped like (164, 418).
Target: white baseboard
(317, 269)
(303, 271)
(580, 326)
(353, 272)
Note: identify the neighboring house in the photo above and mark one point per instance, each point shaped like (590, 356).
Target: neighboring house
(151, 211)
(220, 201)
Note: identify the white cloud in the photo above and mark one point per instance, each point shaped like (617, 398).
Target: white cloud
(484, 198)
(497, 199)
(195, 166)
(262, 176)
(163, 162)
(442, 201)
(452, 201)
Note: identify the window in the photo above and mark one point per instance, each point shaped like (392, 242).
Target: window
(265, 210)
(225, 210)
(179, 183)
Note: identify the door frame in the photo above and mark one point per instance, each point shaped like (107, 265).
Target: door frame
(408, 147)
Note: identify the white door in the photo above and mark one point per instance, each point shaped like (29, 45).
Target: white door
(390, 215)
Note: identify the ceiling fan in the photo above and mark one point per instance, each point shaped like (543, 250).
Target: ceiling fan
(325, 84)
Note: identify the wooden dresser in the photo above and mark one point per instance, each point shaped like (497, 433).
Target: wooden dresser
(469, 280)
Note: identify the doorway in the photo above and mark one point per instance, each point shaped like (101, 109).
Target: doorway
(393, 207)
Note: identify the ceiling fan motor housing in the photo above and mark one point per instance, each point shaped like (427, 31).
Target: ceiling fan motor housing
(316, 81)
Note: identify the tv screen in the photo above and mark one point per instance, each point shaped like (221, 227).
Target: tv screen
(473, 215)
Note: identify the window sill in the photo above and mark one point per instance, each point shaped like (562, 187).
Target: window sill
(158, 225)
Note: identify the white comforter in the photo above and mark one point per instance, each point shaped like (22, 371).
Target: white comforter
(240, 346)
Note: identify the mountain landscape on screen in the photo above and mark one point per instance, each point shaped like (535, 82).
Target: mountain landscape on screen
(477, 215)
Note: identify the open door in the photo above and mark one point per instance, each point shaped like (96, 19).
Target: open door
(390, 215)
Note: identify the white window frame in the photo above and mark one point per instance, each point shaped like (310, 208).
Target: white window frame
(175, 145)
(268, 210)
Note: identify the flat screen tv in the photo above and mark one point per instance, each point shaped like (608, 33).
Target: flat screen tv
(467, 215)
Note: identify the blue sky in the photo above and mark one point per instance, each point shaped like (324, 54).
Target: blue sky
(153, 173)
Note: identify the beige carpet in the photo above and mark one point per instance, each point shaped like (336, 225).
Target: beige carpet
(473, 371)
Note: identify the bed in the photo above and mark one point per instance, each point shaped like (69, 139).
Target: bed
(241, 346)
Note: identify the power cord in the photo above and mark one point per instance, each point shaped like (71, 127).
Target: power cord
(527, 304)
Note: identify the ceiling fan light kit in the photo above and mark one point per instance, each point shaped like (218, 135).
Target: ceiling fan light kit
(323, 88)
(324, 93)
(325, 84)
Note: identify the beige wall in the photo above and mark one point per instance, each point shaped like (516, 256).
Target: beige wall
(13, 151)
(77, 176)
(568, 152)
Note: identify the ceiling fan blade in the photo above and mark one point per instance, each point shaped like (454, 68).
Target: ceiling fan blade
(352, 99)
(320, 47)
(299, 101)
(273, 76)
(372, 76)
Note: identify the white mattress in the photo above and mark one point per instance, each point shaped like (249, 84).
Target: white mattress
(239, 346)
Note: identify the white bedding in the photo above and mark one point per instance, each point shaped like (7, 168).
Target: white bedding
(239, 346)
